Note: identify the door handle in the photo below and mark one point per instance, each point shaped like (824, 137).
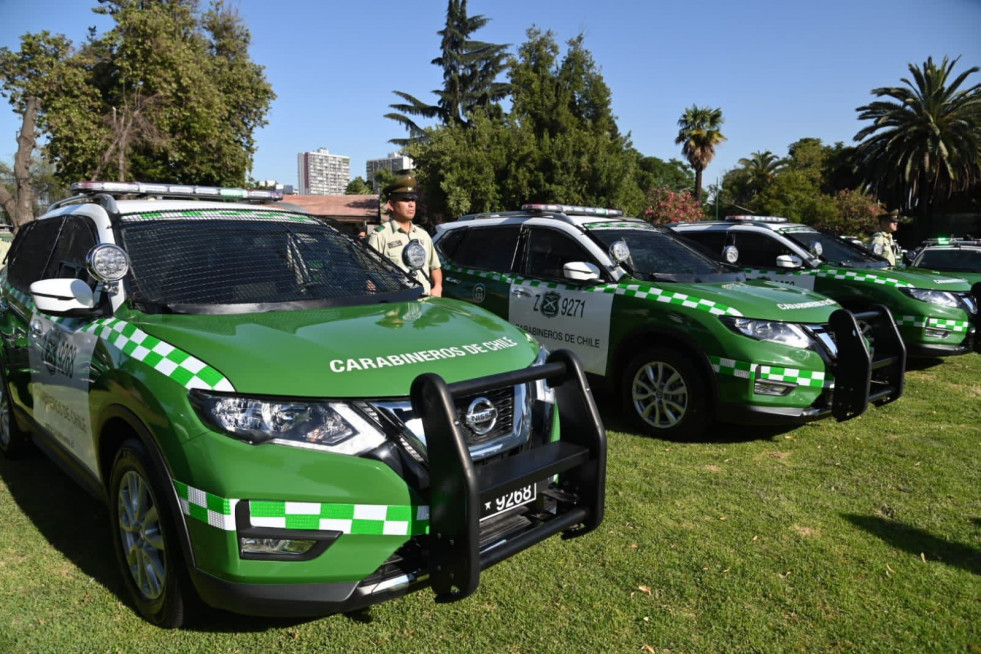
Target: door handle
(520, 292)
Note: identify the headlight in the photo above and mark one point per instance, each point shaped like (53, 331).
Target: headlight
(329, 426)
(769, 330)
(943, 298)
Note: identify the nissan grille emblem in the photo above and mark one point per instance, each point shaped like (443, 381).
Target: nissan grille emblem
(481, 416)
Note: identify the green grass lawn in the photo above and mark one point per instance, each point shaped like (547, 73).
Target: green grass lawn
(863, 536)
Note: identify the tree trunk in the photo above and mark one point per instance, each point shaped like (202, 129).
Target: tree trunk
(20, 208)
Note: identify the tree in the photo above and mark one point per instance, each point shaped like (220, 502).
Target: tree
(358, 186)
(698, 137)
(559, 143)
(925, 139)
(470, 71)
(165, 95)
(761, 169)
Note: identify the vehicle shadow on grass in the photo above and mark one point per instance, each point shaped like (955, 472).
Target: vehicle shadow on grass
(77, 525)
(72, 521)
(615, 418)
(920, 543)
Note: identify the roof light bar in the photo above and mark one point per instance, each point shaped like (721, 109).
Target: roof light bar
(757, 219)
(176, 190)
(950, 240)
(572, 210)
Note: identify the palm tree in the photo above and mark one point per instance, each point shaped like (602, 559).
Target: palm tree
(699, 134)
(925, 140)
(761, 169)
(470, 69)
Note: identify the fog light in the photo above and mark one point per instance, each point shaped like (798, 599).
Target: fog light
(937, 333)
(772, 388)
(274, 546)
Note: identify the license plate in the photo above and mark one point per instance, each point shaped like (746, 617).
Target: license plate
(508, 500)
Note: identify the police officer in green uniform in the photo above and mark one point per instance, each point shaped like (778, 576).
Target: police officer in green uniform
(882, 242)
(392, 236)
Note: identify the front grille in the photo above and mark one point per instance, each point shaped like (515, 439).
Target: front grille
(510, 430)
(503, 401)
(826, 337)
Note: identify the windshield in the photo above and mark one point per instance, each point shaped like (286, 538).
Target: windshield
(657, 255)
(951, 260)
(217, 258)
(836, 251)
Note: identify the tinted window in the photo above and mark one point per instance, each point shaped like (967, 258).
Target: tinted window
(487, 248)
(54, 247)
(758, 250)
(548, 251)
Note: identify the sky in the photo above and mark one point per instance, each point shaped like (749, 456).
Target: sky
(780, 70)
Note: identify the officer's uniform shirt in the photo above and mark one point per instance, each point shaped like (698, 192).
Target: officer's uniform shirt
(883, 244)
(390, 240)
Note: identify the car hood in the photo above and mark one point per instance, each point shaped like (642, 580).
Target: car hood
(969, 277)
(362, 351)
(754, 299)
(902, 277)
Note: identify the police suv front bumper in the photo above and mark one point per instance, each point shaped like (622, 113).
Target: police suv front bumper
(862, 375)
(569, 476)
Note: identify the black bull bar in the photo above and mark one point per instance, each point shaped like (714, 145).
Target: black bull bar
(457, 487)
(861, 375)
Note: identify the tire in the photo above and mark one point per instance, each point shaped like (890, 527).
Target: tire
(666, 395)
(144, 535)
(13, 440)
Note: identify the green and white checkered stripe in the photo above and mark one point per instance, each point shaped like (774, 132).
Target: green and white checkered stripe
(159, 355)
(619, 225)
(355, 519)
(933, 323)
(731, 367)
(362, 519)
(839, 273)
(211, 509)
(259, 214)
(483, 274)
(643, 291)
(747, 370)
(809, 378)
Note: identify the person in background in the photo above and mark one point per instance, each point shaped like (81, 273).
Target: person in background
(882, 242)
(394, 234)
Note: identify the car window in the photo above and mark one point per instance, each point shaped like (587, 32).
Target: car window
(709, 242)
(548, 251)
(654, 253)
(54, 247)
(834, 250)
(223, 257)
(951, 260)
(758, 250)
(486, 248)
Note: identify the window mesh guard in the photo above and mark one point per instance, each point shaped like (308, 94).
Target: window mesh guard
(248, 257)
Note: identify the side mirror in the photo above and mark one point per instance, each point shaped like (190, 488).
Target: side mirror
(581, 271)
(789, 261)
(62, 295)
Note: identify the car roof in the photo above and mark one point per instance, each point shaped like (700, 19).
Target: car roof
(569, 214)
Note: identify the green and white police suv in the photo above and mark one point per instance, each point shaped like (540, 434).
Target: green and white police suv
(680, 337)
(937, 314)
(279, 423)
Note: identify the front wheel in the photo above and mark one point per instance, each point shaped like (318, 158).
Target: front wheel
(666, 394)
(147, 551)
